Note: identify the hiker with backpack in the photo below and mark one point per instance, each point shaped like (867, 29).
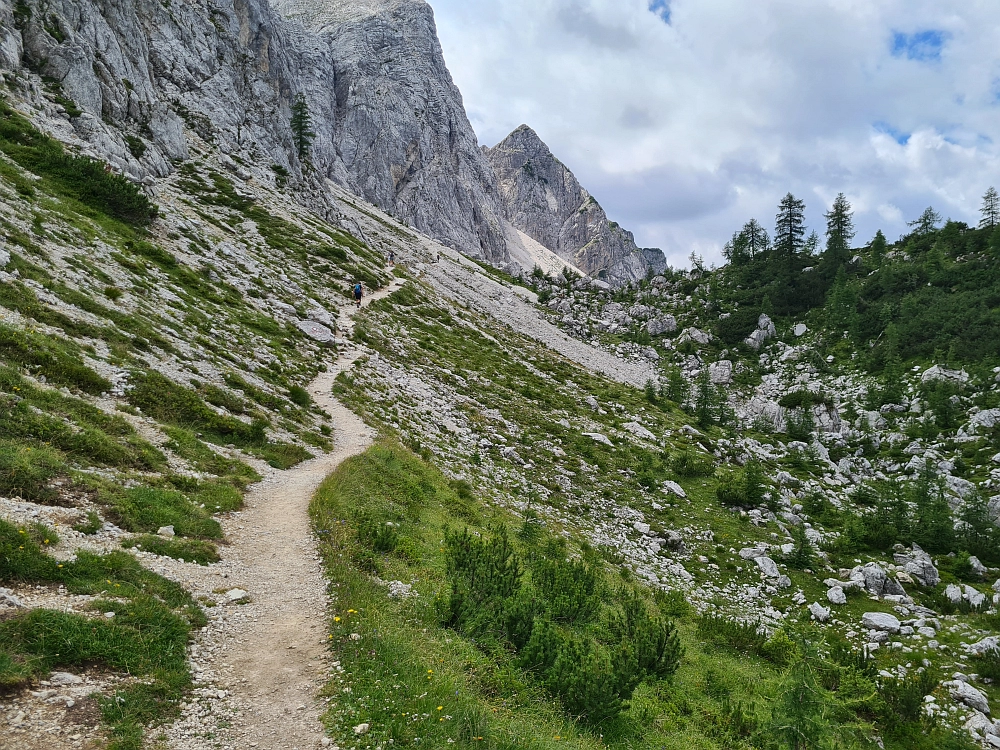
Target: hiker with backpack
(358, 293)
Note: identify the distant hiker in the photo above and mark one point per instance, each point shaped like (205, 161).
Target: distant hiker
(439, 258)
(358, 292)
(392, 258)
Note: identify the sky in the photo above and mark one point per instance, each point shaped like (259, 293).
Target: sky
(685, 118)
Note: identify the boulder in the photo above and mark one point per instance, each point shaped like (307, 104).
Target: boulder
(752, 553)
(974, 597)
(597, 437)
(768, 566)
(167, 532)
(988, 419)
(675, 542)
(836, 595)
(316, 331)
(4, 257)
(62, 679)
(978, 569)
(721, 372)
(919, 566)
(880, 621)
(940, 373)
(996, 585)
(963, 692)
(819, 612)
(979, 725)
(799, 329)
(671, 486)
(696, 335)
(953, 593)
(236, 595)
(990, 643)
(639, 431)
(660, 326)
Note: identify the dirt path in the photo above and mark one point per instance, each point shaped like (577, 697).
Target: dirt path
(262, 661)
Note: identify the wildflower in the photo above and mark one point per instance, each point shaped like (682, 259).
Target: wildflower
(440, 707)
(335, 619)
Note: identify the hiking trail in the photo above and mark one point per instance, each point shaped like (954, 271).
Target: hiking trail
(261, 663)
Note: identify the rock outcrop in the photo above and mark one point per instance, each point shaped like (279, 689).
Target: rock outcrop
(544, 200)
(389, 122)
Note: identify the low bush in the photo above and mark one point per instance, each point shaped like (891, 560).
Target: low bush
(745, 488)
(686, 464)
(89, 181)
(299, 396)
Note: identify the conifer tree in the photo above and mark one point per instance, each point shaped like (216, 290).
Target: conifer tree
(839, 233)
(301, 123)
(878, 248)
(990, 210)
(927, 222)
(789, 228)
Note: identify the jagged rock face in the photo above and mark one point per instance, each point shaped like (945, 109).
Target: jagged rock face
(396, 106)
(389, 123)
(545, 201)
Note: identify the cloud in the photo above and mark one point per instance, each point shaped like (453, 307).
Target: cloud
(686, 118)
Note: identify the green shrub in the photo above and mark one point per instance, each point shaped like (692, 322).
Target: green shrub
(686, 464)
(91, 526)
(300, 396)
(569, 588)
(148, 508)
(745, 488)
(740, 636)
(379, 536)
(988, 664)
(648, 645)
(84, 179)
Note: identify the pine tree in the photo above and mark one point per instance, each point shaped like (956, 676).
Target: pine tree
(839, 233)
(301, 123)
(990, 209)
(878, 248)
(801, 556)
(804, 714)
(789, 228)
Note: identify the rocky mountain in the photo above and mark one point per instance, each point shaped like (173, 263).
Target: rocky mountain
(545, 201)
(389, 123)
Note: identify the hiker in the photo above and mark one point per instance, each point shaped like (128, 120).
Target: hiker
(392, 257)
(358, 292)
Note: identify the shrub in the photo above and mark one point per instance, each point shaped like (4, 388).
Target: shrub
(299, 396)
(89, 181)
(569, 588)
(686, 464)
(91, 526)
(648, 645)
(483, 573)
(740, 636)
(743, 489)
(379, 536)
(802, 554)
(988, 664)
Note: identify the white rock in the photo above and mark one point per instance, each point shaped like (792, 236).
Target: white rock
(819, 612)
(880, 621)
(721, 372)
(768, 566)
(9, 600)
(659, 326)
(4, 257)
(963, 692)
(316, 331)
(799, 329)
(954, 593)
(361, 729)
(236, 595)
(978, 569)
(671, 486)
(696, 335)
(836, 595)
(940, 373)
(639, 431)
(599, 438)
(979, 724)
(60, 679)
(752, 553)
(166, 532)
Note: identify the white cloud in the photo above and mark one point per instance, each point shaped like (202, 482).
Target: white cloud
(685, 130)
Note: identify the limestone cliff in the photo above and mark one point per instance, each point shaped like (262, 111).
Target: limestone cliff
(545, 201)
(134, 79)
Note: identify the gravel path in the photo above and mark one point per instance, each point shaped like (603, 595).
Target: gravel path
(262, 660)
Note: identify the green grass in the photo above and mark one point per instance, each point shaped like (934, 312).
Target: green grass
(146, 509)
(146, 639)
(76, 177)
(189, 550)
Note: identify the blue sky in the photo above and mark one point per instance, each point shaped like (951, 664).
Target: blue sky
(687, 117)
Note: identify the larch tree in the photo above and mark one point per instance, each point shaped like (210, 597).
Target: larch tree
(990, 210)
